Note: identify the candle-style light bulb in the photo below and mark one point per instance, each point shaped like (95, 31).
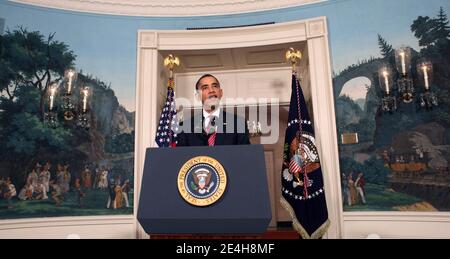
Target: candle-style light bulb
(85, 92)
(386, 81)
(425, 77)
(402, 60)
(52, 96)
(69, 84)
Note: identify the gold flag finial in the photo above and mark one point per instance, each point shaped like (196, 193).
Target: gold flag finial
(293, 55)
(170, 62)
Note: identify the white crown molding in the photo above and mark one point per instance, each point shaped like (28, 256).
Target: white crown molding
(167, 7)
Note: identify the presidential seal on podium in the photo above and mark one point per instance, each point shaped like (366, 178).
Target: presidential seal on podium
(202, 180)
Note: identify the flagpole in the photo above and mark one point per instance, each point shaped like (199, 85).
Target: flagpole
(165, 135)
(307, 207)
(170, 62)
(294, 56)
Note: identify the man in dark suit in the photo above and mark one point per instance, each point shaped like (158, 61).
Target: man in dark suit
(212, 126)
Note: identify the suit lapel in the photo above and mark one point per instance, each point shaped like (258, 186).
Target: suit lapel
(197, 129)
(197, 123)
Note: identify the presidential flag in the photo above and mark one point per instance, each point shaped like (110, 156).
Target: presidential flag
(167, 128)
(303, 192)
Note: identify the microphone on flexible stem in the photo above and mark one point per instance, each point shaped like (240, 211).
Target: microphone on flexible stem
(213, 120)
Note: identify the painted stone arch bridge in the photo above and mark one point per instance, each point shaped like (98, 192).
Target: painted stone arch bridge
(368, 69)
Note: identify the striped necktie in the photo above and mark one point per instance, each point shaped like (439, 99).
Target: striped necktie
(212, 139)
(211, 130)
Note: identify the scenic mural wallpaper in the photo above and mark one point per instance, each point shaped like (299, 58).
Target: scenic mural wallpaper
(67, 104)
(66, 138)
(400, 161)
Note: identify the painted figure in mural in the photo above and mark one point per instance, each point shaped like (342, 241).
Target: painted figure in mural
(103, 179)
(118, 198)
(94, 174)
(56, 193)
(86, 178)
(359, 184)
(344, 188)
(112, 194)
(385, 156)
(40, 193)
(26, 193)
(9, 191)
(80, 193)
(96, 178)
(125, 190)
(44, 176)
(60, 178)
(33, 177)
(118, 192)
(66, 179)
(352, 193)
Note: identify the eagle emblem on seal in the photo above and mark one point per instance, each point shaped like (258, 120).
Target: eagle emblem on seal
(202, 181)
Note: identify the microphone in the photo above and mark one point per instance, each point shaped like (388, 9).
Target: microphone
(213, 121)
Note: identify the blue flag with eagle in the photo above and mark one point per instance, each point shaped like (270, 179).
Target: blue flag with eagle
(167, 128)
(303, 192)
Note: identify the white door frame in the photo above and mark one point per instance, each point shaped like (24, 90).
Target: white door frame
(150, 86)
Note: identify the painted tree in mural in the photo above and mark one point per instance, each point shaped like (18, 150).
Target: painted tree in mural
(442, 27)
(432, 31)
(422, 28)
(385, 48)
(434, 35)
(28, 63)
(32, 61)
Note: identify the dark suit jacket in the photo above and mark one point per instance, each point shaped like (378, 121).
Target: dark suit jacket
(232, 130)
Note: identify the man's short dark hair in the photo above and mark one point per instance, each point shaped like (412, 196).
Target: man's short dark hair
(203, 76)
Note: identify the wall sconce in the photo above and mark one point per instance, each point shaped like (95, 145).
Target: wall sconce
(425, 72)
(75, 106)
(388, 102)
(83, 115)
(404, 81)
(50, 117)
(68, 106)
(403, 88)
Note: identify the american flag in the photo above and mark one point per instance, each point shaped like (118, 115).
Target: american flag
(165, 135)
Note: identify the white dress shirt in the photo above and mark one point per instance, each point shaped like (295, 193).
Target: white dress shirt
(208, 117)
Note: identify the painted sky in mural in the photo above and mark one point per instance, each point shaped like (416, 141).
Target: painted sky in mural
(106, 45)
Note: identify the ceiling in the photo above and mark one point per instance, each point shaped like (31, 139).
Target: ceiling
(167, 7)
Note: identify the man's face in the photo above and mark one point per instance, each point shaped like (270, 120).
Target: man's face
(210, 92)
